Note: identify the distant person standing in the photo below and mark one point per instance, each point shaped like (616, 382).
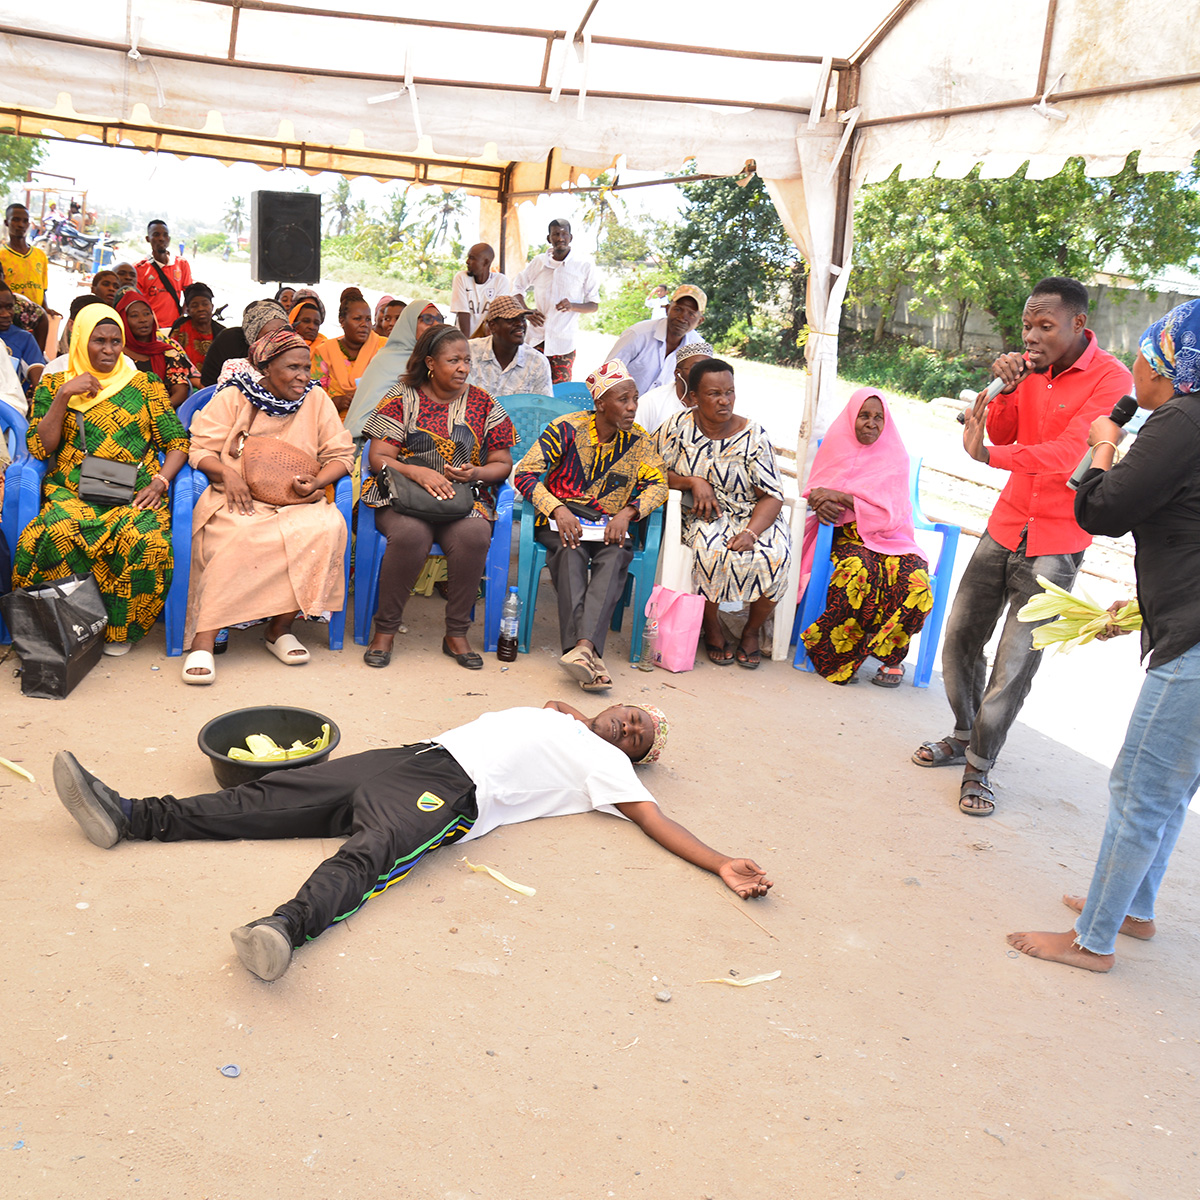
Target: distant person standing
(657, 302)
(161, 278)
(564, 285)
(476, 287)
(26, 268)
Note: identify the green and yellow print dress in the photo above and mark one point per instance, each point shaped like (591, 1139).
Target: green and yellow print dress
(128, 550)
(875, 606)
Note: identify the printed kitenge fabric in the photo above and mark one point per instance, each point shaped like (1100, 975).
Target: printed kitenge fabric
(195, 345)
(738, 468)
(429, 434)
(876, 605)
(127, 549)
(578, 466)
(179, 366)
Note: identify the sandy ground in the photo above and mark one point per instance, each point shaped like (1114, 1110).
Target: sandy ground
(455, 1040)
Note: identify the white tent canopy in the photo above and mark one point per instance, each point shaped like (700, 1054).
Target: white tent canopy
(820, 96)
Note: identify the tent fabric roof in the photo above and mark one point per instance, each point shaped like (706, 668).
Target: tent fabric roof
(325, 89)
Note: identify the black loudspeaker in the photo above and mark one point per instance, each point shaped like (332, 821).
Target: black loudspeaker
(285, 237)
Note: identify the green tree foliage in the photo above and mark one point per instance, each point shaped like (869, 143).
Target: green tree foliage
(733, 245)
(602, 209)
(17, 156)
(983, 243)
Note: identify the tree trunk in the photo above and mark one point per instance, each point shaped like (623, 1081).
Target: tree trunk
(960, 322)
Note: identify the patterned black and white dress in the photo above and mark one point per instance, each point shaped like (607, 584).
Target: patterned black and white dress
(738, 467)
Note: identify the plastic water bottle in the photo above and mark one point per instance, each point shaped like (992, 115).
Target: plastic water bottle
(510, 620)
(649, 640)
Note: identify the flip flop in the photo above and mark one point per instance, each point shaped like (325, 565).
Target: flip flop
(580, 664)
(594, 685)
(199, 658)
(282, 648)
(888, 677)
(750, 659)
(723, 657)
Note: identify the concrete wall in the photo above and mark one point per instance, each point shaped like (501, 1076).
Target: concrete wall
(1118, 316)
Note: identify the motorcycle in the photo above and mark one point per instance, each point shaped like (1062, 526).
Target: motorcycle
(63, 243)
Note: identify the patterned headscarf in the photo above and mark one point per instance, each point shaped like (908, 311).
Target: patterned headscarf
(270, 346)
(602, 378)
(1172, 347)
(256, 314)
(661, 728)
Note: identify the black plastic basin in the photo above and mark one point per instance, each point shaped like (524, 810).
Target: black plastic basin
(284, 725)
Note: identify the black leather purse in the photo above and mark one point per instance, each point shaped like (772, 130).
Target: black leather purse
(103, 481)
(413, 500)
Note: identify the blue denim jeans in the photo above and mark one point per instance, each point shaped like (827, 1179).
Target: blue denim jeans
(985, 707)
(1155, 776)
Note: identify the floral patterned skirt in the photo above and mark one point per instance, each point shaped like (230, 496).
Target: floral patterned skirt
(875, 606)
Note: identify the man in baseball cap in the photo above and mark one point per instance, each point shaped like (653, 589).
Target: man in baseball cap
(501, 363)
(648, 348)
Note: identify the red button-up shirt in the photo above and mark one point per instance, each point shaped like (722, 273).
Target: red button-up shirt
(1039, 433)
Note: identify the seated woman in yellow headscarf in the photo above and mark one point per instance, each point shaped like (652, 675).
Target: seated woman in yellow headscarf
(125, 416)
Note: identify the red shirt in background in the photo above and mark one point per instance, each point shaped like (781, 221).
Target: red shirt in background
(179, 272)
(1039, 433)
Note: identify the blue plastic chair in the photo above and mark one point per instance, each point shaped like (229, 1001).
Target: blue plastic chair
(14, 427)
(647, 537)
(193, 404)
(813, 603)
(368, 557)
(576, 393)
(189, 487)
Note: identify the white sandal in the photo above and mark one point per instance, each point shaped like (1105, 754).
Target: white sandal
(283, 646)
(202, 659)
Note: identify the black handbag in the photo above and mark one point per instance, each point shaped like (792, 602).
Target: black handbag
(104, 481)
(57, 631)
(412, 500)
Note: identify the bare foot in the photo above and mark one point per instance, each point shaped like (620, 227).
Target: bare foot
(1143, 930)
(1060, 947)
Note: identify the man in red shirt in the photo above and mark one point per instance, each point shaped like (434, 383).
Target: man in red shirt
(161, 278)
(1038, 427)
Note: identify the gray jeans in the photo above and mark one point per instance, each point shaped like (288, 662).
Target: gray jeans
(995, 577)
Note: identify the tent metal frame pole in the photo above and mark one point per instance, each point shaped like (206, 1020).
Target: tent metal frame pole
(1047, 41)
(548, 35)
(370, 77)
(1108, 89)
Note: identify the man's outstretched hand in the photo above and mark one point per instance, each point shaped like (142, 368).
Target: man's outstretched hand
(744, 876)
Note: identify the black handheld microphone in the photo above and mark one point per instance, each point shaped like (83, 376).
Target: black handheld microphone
(1121, 414)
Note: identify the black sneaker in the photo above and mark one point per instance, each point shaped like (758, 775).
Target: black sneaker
(93, 804)
(264, 947)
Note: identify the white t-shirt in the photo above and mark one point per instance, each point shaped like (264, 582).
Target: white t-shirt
(11, 391)
(657, 405)
(534, 762)
(467, 296)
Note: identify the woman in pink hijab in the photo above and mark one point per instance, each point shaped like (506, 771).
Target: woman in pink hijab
(879, 592)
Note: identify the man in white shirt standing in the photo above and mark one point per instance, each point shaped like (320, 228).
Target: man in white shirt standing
(501, 363)
(395, 805)
(476, 287)
(663, 402)
(564, 285)
(648, 348)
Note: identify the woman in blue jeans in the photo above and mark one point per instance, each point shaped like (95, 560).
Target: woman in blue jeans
(1155, 492)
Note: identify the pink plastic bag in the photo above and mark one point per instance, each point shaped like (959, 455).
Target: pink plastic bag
(680, 617)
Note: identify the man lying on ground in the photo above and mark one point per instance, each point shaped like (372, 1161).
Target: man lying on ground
(394, 806)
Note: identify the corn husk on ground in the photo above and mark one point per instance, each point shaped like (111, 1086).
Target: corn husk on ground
(1079, 618)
